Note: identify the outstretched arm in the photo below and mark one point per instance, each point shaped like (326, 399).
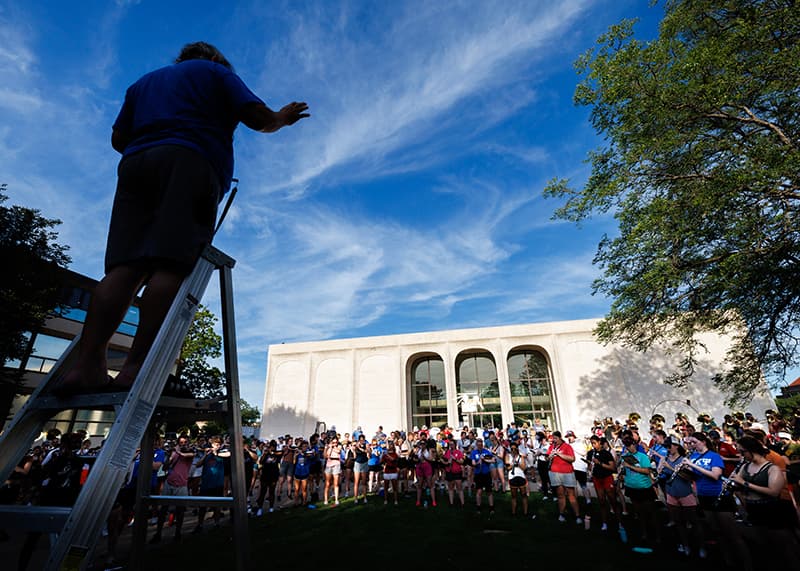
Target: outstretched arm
(261, 118)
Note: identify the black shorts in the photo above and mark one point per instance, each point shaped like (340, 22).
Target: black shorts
(517, 482)
(641, 494)
(580, 477)
(483, 482)
(453, 476)
(164, 209)
(710, 504)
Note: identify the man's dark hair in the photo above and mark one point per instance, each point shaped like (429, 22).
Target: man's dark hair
(202, 50)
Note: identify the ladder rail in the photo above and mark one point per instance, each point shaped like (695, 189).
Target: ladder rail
(106, 477)
(27, 424)
(79, 527)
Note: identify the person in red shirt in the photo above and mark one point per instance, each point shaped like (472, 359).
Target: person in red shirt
(730, 455)
(562, 476)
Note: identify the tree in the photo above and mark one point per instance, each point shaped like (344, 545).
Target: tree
(202, 343)
(699, 166)
(250, 413)
(30, 284)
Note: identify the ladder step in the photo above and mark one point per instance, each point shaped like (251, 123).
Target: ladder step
(48, 519)
(187, 501)
(109, 401)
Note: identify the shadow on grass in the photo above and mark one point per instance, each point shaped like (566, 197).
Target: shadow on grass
(405, 537)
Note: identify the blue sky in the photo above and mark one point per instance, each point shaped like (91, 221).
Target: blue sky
(409, 201)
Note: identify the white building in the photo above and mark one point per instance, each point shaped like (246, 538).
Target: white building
(554, 371)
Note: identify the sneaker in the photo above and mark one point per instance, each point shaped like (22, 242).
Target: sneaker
(672, 524)
(555, 498)
(561, 518)
(418, 504)
(271, 510)
(533, 516)
(681, 548)
(604, 527)
(434, 504)
(260, 512)
(579, 520)
(395, 502)
(701, 553)
(588, 501)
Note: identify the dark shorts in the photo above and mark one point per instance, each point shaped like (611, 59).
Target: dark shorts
(453, 476)
(215, 492)
(641, 494)
(710, 504)
(483, 482)
(580, 477)
(164, 209)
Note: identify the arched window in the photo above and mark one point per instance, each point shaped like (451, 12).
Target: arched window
(478, 391)
(529, 380)
(428, 393)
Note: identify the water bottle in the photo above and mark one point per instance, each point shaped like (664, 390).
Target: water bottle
(84, 474)
(587, 522)
(425, 504)
(623, 535)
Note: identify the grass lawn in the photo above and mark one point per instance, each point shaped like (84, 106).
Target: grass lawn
(392, 537)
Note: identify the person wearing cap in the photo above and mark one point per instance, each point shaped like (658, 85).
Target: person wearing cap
(562, 476)
(681, 501)
(603, 466)
(580, 465)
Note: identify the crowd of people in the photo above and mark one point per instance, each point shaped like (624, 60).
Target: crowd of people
(734, 483)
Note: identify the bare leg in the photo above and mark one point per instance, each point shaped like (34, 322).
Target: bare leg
(110, 301)
(156, 301)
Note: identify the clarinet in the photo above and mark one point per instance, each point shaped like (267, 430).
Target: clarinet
(676, 470)
(728, 484)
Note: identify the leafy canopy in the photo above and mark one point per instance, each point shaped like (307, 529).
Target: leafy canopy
(201, 344)
(30, 280)
(700, 167)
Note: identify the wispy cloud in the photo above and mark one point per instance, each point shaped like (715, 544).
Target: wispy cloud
(431, 71)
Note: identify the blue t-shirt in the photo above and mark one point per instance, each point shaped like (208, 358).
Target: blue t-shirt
(302, 466)
(195, 103)
(707, 460)
(482, 467)
(662, 451)
(213, 473)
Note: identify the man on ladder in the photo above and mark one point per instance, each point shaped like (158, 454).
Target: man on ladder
(175, 133)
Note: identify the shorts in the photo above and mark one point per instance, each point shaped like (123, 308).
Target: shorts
(710, 504)
(483, 482)
(580, 477)
(165, 209)
(361, 468)
(688, 501)
(215, 492)
(375, 468)
(286, 469)
(641, 494)
(566, 479)
(170, 490)
(453, 476)
(390, 476)
(424, 470)
(333, 469)
(518, 482)
(606, 483)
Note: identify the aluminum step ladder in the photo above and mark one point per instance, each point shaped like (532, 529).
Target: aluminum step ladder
(79, 527)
